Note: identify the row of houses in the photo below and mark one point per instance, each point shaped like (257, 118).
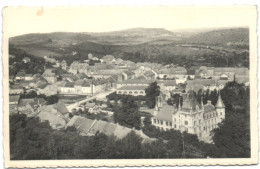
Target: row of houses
(88, 127)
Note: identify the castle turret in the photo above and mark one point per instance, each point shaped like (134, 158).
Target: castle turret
(220, 107)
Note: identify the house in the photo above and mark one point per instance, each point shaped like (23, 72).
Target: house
(26, 60)
(206, 84)
(92, 107)
(48, 90)
(37, 81)
(169, 85)
(88, 127)
(14, 99)
(132, 90)
(109, 59)
(56, 114)
(191, 116)
(67, 88)
(69, 77)
(28, 77)
(77, 67)
(82, 76)
(134, 82)
(126, 75)
(20, 75)
(16, 89)
(191, 74)
(33, 107)
(50, 76)
(23, 102)
(25, 84)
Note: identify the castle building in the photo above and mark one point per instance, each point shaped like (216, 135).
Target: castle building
(192, 116)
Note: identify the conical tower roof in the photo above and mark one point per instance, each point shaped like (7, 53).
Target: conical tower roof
(219, 103)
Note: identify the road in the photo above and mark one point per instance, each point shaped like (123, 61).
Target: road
(97, 96)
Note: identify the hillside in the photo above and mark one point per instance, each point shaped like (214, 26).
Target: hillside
(143, 44)
(222, 37)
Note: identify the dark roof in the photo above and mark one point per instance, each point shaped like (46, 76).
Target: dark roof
(14, 98)
(21, 73)
(16, 86)
(191, 72)
(23, 102)
(190, 102)
(69, 84)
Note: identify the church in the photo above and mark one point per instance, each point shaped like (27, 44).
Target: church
(192, 117)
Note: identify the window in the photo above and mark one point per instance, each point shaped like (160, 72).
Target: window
(154, 120)
(199, 121)
(175, 126)
(141, 92)
(186, 122)
(220, 113)
(166, 123)
(119, 92)
(174, 119)
(130, 92)
(194, 123)
(170, 123)
(136, 92)
(161, 122)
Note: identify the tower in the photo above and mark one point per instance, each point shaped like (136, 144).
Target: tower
(220, 108)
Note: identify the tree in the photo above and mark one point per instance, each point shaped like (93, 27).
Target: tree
(127, 114)
(233, 137)
(151, 93)
(130, 146)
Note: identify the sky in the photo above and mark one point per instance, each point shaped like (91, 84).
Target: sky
(24, 20)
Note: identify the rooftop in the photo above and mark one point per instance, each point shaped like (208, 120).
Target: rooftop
(133, 88)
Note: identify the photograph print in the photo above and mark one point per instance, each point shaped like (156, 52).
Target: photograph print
(157, 86)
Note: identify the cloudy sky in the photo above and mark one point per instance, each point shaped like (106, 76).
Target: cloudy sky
(18, 21)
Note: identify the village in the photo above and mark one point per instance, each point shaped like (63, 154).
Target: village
(81, 93)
